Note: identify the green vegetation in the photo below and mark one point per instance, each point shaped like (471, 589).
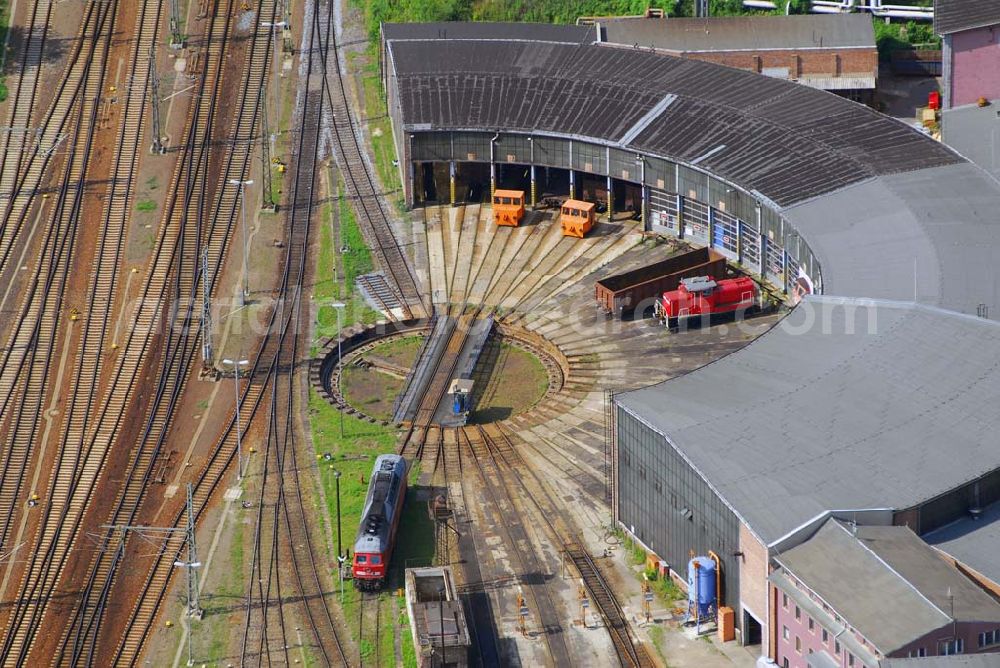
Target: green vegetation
(4, 27)
(145, 205)
(217, 604)
(355, 261)
(379, 127)
(912, 34)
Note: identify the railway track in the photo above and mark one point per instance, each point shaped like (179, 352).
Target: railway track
(343, 135)
(268, 364)
(502, 451)
(41, 575)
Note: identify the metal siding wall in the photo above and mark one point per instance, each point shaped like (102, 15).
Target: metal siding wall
(693, 184)
(590, 158)
(551, 152)
(654, 485)
(709, 193)
(661, 174)
(472, 146)
(624, 166)
(512, 148)
(432, 146)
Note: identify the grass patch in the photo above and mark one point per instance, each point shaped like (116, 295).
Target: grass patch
(145, 205)
(214, 629)
(333, 285)
(380, 128)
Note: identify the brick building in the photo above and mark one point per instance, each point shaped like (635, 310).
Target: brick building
(970, 32)
(852, 596)
(834, 52)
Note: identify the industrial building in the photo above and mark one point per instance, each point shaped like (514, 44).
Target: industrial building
(437, 620)
(833, 52)
(857, 595)
(873, 406)
(970, 50)
(970, 34)
(839, 411)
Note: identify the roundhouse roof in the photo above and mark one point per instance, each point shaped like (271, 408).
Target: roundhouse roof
(777, 137)
(845, 404)
(868, 193)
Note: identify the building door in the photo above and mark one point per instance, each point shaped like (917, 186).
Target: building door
(751, 629)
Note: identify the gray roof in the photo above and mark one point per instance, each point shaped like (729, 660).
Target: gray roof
(541, 32)
(744, 33)
(869, 574)
(975, 543)
(989, 660)
(956, 15)
(814, 416)
(787, 141)
(930, 235)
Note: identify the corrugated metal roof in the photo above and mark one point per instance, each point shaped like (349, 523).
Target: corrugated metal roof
(744, 33)
(542, 32)
(786, 141)
(975, 543)
(957, 15)
(871, 573)
(843, 405)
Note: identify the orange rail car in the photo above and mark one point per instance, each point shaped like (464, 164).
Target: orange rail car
(577, 218)
(508, 207)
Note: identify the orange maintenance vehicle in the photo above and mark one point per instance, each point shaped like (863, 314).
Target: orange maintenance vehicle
(577, 218)
(508, 207)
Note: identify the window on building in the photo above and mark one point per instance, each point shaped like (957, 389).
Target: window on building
(850, 659)
(826, 636)
(784, 632)
(989, 638)
(811, 629)
(836, 647)
(921, 652)
(949, 647)
(784, 601)
(798, 644)
(798, 613)
(784, 662)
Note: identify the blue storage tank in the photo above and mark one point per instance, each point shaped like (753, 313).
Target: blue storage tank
(701, 585)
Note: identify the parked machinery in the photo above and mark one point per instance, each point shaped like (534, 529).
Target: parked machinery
(508, 207)
(577, 218)
(642, 288)
(379, 522)
(704, 297)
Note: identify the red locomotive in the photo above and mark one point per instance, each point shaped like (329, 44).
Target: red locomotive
(379, 521)
(704, 297)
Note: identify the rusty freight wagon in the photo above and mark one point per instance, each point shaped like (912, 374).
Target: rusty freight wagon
(622, 293)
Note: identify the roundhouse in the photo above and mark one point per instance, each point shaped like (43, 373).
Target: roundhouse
(870, 404)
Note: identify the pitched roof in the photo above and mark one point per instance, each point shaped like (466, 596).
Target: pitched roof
(842, 405)
(743, 33)
(957, 15)
(869, 573)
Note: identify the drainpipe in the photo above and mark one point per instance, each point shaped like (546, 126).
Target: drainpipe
(451, 173)
(534, 189)
(493, 167)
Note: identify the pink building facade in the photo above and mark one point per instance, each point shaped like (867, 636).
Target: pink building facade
(806, 625)
(972, 66)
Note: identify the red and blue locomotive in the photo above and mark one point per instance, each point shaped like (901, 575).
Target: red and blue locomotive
(379, 522)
